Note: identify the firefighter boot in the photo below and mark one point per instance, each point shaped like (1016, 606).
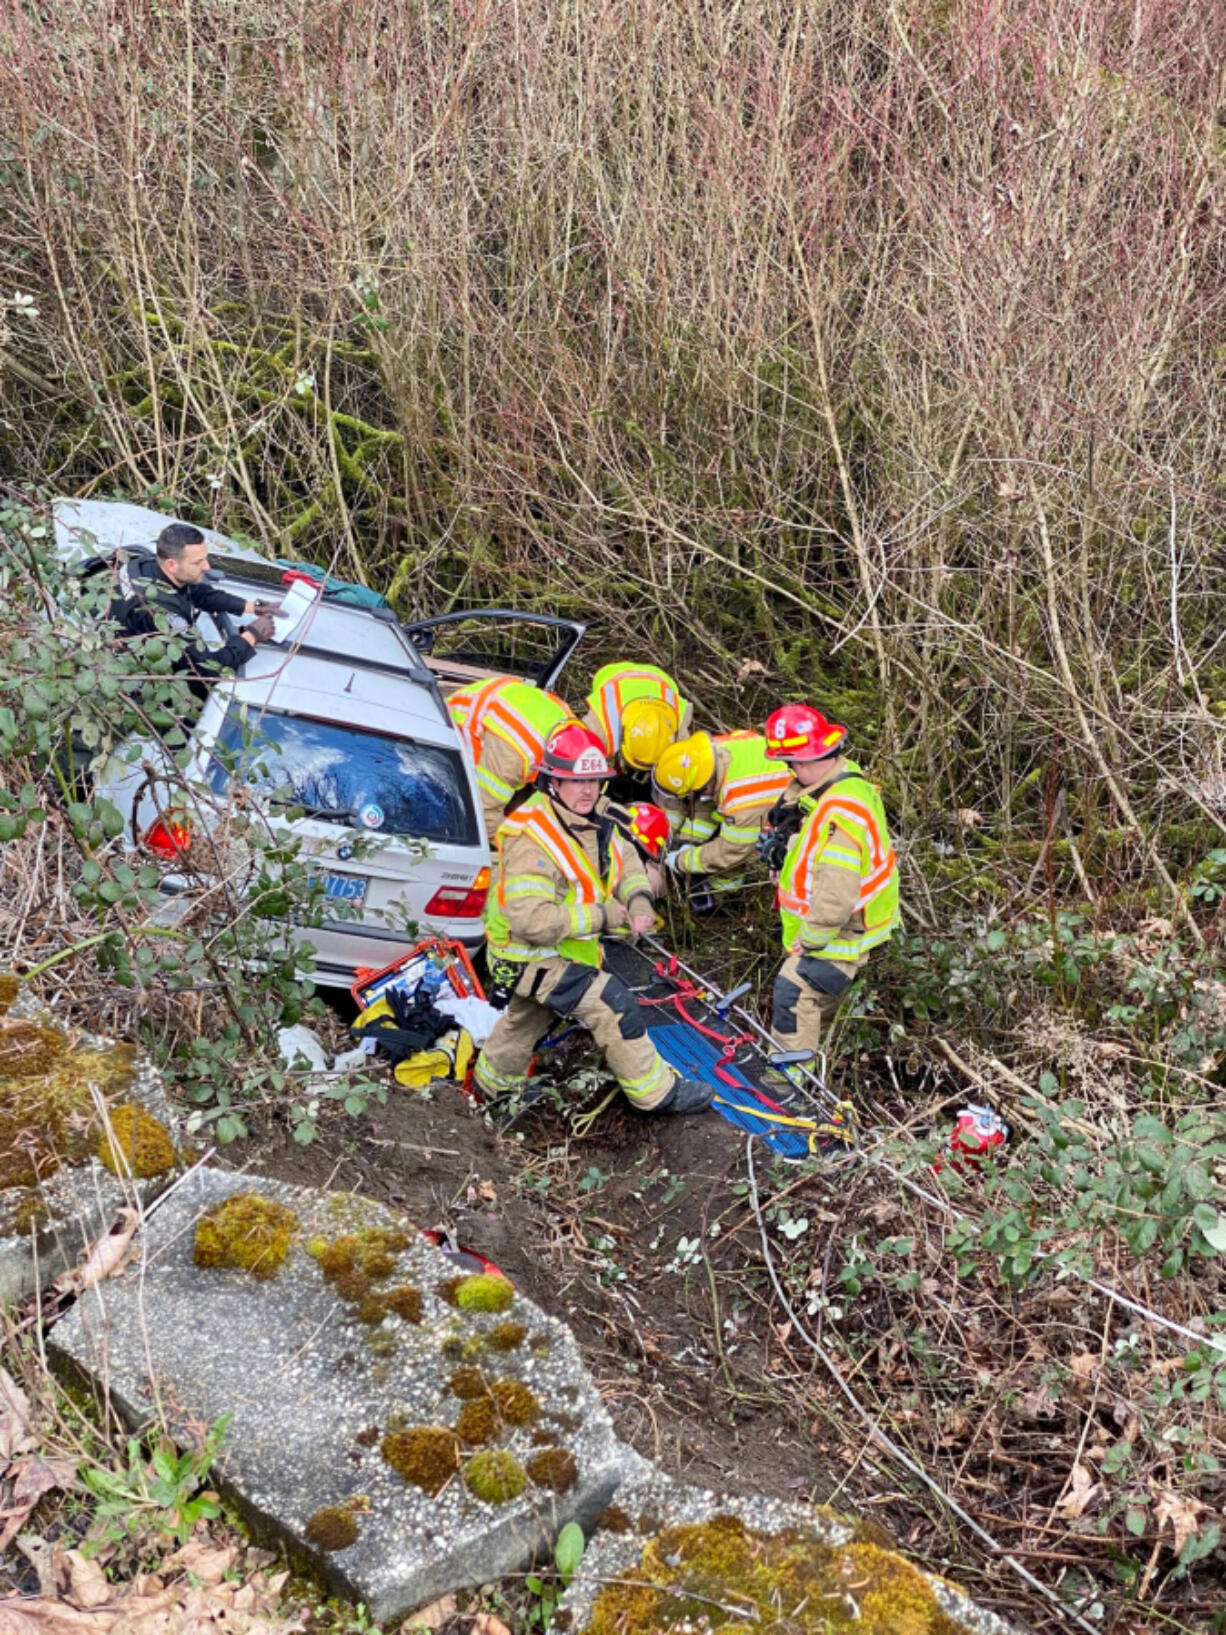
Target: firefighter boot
(687, 1096)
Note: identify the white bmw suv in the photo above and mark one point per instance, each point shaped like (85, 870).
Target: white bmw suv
(346, 721)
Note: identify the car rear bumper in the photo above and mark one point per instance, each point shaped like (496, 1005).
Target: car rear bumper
(341, 950)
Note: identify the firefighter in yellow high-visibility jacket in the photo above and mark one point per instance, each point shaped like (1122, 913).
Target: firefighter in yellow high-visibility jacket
(636, 710)
(717, 791)
(505, 724)
(838, 887)
(564, 877)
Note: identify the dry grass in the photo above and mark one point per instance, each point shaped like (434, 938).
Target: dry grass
(884, 344)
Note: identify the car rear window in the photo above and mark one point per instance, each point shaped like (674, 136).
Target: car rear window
(388, 785)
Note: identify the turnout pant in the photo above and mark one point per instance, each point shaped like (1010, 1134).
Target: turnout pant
(550, 988)
(808, 991)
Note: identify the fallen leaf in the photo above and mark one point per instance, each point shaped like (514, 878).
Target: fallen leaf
(1182, 1512)
(103, 1258)
(205, 1562)
(48, 1561)
(968, 817)
(15, 1435)
(1083, 1490)
(487, 1624)
(432, 1617)
(488, 1191)
(51, 1617)
(87, 1584)
(750, 667)
(1083, 1366)
(1157, 927)
(32, 1477)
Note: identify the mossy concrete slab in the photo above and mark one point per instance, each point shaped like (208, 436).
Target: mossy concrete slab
(69, 1132)
(666, 1556)
(317, 1369)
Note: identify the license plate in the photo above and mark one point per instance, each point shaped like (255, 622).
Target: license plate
(349, 888)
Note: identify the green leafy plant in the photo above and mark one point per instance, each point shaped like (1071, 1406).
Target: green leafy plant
(567, 1554)
(156, 1495)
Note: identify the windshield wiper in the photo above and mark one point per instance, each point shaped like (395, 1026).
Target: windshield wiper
(326, 814)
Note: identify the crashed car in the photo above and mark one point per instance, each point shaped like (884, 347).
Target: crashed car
(346, 723)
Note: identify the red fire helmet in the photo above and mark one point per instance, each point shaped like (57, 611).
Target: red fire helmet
(798, 732)
(649, 827)
(571, 751)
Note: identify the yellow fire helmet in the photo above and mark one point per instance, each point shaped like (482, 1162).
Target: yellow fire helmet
(685, 767)
(649, 726)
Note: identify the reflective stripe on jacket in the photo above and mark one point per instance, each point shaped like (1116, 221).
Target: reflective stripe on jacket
(549, 898)
(521, 715)
(841, 856)
(613, 687)
(724, 826)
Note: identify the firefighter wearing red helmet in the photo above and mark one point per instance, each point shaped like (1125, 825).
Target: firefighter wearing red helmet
(565, 877)
(648, 829)
(838, 877)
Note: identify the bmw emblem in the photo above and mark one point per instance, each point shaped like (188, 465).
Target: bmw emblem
(344, 853)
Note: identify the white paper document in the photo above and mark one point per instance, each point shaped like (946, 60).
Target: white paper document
(297, 603)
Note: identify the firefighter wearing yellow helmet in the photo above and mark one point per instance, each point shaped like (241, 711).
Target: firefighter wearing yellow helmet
(636, 710)
(717, 791)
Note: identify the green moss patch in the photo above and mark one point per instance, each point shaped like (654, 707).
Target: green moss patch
(506, 1337)
(495, 1476)
(378, 1264)
(484, 1293)
(757, 1577)
(428, 1456)
(47, 1116)
(332, 1528)
(246, 1232)
(372, 1310)
(135, 1143)
(31, 1214)
(10, 987)
(554, 1468)
(517, 1404)
(479, 1421)
(468, 1383)
(405, 1301)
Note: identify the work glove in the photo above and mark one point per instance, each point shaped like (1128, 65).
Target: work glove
(261, 629)
(615, 915)
(266, 607)
(672, 860)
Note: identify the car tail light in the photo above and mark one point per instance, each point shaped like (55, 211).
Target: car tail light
(168, 836)
(461, 902)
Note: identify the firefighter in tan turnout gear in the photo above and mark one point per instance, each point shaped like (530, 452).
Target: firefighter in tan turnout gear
(838, 883)
(505, 724)
(717, 791)
(564, 877)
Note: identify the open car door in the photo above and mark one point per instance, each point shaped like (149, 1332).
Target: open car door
(474, 644)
